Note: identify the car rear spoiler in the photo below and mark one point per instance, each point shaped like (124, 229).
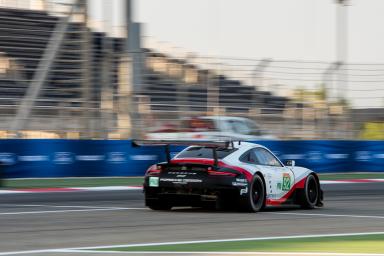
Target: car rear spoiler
(211, 144)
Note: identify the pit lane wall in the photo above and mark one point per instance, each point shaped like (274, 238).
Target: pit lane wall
(88, 158)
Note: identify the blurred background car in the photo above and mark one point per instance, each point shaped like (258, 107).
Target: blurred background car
(212, 128)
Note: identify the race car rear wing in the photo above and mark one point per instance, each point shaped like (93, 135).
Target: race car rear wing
(211, 144)
(205, 143)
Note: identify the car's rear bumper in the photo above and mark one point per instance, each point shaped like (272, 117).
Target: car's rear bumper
(212, 189)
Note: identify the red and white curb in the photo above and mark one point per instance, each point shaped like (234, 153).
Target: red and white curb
(351, 181)
(123, 188)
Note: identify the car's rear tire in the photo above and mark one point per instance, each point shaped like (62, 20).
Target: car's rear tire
(255, 198)
(158, 205)
(310, 194)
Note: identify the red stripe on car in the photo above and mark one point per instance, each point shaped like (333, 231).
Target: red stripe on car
(246, 173)
(275, 202)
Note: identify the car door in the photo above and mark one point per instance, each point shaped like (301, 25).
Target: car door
(280, 178)
(255, 160)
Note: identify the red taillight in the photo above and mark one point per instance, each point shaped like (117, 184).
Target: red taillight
(153, 170)
(221, 173)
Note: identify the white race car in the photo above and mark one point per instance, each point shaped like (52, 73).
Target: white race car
(228, 174)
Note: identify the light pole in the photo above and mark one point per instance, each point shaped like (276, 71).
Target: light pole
(342, 55)
(258, 71)
(327, 80)
(134, 52)
(342, 45)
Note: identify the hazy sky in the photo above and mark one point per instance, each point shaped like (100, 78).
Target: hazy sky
(277, 29)
(281, 29)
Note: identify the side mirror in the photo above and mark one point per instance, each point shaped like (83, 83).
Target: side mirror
(290, 163)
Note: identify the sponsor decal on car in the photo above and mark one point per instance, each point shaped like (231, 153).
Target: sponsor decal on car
(180, 181)
(286, 182)
(153, 181)
(244, 191)
(240, 183)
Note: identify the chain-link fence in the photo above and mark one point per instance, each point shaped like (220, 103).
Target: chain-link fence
(275, 99)
(61, 79)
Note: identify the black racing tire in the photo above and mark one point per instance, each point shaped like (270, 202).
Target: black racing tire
(310, 194)
(255, 199)
(158, 205)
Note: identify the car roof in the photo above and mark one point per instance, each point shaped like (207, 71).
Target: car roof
(245, 146)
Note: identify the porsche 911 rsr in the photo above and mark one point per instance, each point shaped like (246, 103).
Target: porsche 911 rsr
(226, 175)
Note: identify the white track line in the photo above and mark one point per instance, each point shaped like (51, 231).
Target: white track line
(222, 253)
(328, 215)
(231, 240)
(190, 242)
(77, 210)
(29, 252)
(351, 181)
(59, 206)
(334, 182)
(136, 188)
(108, 188)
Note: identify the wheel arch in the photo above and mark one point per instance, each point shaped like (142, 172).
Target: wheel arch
(316, 177)
(321, 192)
(261, 176)
(300, 191)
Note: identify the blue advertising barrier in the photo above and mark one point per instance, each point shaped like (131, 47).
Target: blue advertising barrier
(332, 156)
(75, 158)
(87, 158)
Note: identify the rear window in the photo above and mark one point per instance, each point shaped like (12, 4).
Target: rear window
(204, 152)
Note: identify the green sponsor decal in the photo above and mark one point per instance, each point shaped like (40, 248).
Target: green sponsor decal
(279, 185)
(286, 182)
(153, 181)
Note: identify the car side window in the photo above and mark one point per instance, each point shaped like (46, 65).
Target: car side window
(266, 158)
(250, 157)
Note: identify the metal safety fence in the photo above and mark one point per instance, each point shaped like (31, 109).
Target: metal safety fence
(61, 78)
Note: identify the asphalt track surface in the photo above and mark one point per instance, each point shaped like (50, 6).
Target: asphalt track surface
(85, 219)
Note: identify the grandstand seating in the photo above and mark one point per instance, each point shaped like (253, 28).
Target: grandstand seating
(25, 34)
(165, 92)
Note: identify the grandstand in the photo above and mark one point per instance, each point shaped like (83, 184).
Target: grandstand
(166, 77)
(24, 38)
(70, 90)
